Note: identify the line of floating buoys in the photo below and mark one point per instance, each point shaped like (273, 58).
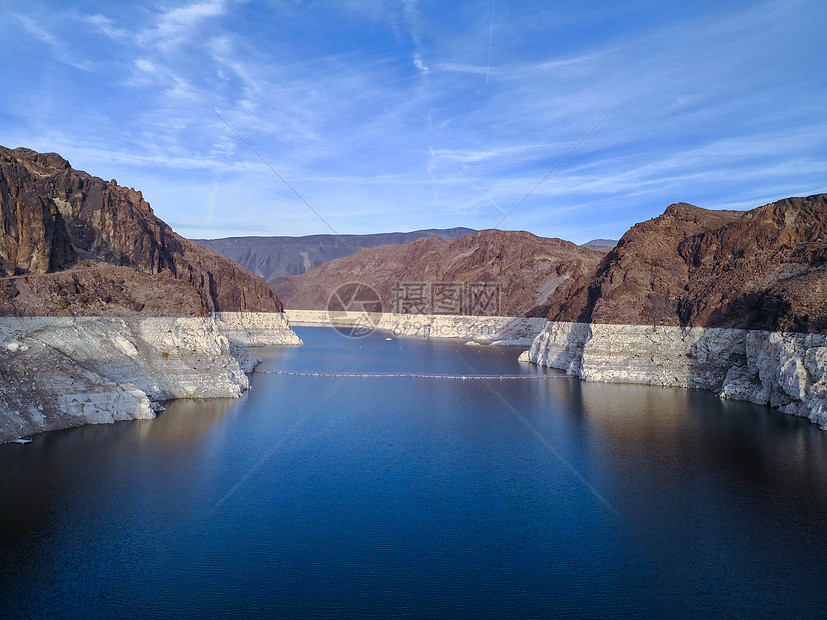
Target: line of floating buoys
(407, 375)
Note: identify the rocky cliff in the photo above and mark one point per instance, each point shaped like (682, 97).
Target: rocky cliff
(60, 372)
(728, 301)
(56, 218)
(690, 267)
(275, 257)
(105, 310)
(522, 268)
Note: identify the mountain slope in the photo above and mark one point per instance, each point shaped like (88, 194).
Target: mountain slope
(273, 257)
(760, 269)
(58, 220)
(525, 268)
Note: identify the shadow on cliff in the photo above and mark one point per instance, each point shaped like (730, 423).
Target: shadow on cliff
(713, 359)
(763, 311)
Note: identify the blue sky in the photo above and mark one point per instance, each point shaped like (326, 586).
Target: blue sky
(404, 114)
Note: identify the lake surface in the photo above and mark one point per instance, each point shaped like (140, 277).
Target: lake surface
(420, 497)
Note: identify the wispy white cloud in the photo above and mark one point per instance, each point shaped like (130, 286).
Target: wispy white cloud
(108, 27)
(37, 28)
(413, 21)
(181, 23)
(706, 112)
(582, 59)
(420, 66)
(471, 156)
(458, 67)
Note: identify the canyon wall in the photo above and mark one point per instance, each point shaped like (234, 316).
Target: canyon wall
(89, 278)
(729, 301)
(57, 219)
(61, 372)
(256, 329)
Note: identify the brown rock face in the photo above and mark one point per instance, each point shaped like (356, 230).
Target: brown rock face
(526, 268)
(34, 237)
(105, 290)
(760, 269)
(55, 217)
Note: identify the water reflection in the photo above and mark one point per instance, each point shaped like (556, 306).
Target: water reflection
(63, 475)
(671, 429)
(425, 496)
(187, 421)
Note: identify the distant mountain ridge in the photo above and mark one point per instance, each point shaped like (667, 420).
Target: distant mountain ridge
(601, 243)
(274, 257)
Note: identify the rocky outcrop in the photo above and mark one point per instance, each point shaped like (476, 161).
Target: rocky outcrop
(100, 290)
(90, 280)
(728, 301)
(59, 372)
(275, 257)
(762, 269)
(56, 218)
(787, 371)
(521, 269)
(34, 236)
(256, 329)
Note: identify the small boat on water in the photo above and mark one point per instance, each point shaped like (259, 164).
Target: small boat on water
(388, 338)
(21, 440)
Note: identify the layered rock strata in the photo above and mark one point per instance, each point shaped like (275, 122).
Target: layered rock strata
(729, 301)
(784, 370)
(256, 329)
(60, 372)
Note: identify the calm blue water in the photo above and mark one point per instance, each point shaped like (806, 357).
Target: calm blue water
(420, 497)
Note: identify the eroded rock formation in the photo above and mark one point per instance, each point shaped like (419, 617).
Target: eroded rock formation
(760, 269)
(728, 301)
(56, 218)
(104, 309)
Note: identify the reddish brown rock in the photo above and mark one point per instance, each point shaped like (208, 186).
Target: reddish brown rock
(760, 269)
(527, 269)
(54, 216)
(103, 290)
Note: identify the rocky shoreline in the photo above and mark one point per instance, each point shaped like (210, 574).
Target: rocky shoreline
(62, 372)
(492, 330)
(784, 370)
